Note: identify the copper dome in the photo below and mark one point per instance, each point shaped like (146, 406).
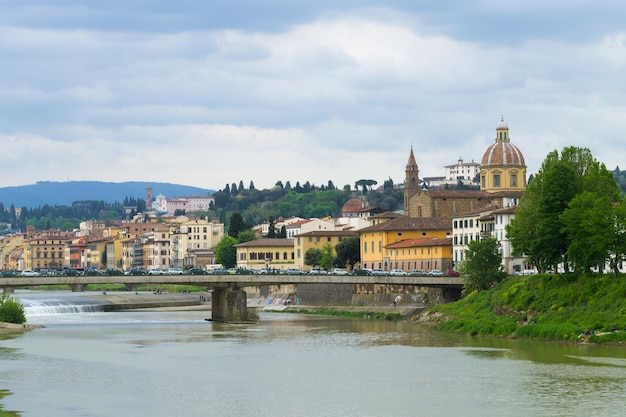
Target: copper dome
(503, 152)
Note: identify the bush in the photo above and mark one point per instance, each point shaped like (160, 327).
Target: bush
(11, 310)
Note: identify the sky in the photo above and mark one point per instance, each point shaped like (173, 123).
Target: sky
(209, 93)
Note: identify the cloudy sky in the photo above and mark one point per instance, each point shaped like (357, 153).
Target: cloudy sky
(207, 93)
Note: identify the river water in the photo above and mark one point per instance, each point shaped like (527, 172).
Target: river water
(151, 363)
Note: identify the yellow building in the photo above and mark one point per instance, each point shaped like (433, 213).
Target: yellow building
(266, 253)
(425, 254)
(395, 228)
(503, 167)
(45, 249)
(9, 244)
(316, 240)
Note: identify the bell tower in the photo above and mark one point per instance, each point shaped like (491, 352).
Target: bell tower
(411, 181)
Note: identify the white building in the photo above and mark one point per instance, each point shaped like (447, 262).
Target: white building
(464, 172)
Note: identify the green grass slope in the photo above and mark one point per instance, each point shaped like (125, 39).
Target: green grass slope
(567, 307)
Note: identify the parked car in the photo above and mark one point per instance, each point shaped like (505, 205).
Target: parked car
(156, 271)
(316, 271)
(361, 271)
(295, 271)
(113, 271)
(91, 272)
(452, 273)
(29, 273)
(7, 273)
(265, 271)
(417, 273)
(175, 271)
(71, 272)
(379, 272)
(399, 273)
(135, 271)
(218, 271)
(197, 271)
(436, 273)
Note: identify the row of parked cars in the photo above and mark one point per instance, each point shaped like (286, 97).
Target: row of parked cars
(222, 271)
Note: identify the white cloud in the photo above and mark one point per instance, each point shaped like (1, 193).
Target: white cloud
(339, 96)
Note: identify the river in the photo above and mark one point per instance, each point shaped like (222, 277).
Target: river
(174, 363)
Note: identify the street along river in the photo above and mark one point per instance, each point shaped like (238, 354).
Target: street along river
(86, 362)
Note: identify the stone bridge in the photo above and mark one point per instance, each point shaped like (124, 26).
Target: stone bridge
(228, 301)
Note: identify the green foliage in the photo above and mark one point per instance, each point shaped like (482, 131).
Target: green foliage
(328, 256)
(482, 265)
(569, 213)
(11, 310)
(313, 257)
(348, 252)
(246, 236)
(236, 225)
(226, 252)
(546, 307)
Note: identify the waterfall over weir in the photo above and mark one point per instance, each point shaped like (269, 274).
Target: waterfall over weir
(40, 304)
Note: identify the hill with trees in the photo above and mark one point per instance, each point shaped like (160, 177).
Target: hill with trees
(65, 193)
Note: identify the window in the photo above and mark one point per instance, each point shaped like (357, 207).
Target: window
(513, 180)
(496, 180)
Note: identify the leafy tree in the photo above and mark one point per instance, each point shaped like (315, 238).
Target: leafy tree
(328, 256)
(482, 267)
(560, 186)
(247, 235)
(226, 252)
(589, 224)
(348, 252)
(313, 257)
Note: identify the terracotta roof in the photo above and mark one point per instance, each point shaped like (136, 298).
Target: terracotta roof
(424, 242)
(387, 215)
(411, 223)
(267, 243)
(457, 194)
(297, 224)
(328, 233)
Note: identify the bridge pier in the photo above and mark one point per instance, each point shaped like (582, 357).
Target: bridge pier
(229, 305)
(77, 287)
(8, 290)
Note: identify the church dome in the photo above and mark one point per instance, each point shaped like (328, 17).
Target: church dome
(503, 152)
(354, 205)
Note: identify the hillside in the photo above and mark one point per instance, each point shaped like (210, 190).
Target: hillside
(64, 193)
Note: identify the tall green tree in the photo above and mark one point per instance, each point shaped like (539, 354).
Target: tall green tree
(328, 256)
(348, 252)
(482, 267)
(236, 225)
(560, 186)
(226, 252)
(313, 257)
(590, 226)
